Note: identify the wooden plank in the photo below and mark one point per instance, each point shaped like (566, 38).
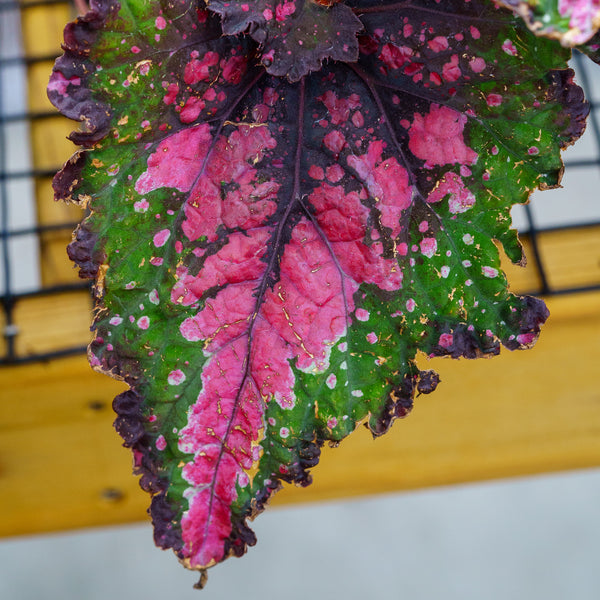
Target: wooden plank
(62, 466)
(50, 145)
(2, 337)
(52, 323)
(43, 26)
(573, 256)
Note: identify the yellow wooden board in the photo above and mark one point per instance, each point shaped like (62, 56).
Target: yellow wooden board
(52, 323)
(62, 465)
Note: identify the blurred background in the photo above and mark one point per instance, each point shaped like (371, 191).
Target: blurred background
(72, 517)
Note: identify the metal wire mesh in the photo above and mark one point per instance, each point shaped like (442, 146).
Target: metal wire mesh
(10, 262)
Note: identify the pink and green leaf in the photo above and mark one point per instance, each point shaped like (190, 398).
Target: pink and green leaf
(270, 255)
(572, 22)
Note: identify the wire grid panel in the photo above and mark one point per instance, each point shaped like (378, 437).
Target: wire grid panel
(37, 281)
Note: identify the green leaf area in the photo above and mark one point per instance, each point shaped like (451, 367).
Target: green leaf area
(269, 256)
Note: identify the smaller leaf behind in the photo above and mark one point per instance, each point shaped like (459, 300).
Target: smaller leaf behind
(571, 22)
(295, 36)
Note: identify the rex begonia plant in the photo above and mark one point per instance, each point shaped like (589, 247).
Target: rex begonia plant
(288, 200)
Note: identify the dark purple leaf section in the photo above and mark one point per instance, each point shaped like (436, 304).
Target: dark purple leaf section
(271, 255)
(295, 36)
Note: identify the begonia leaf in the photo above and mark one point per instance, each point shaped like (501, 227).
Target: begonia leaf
(295, 36)
(572, 22)
(270, 256)
(592, 48)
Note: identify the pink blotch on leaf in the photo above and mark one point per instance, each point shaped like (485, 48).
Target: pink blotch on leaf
(477, 64)
(509, 48)
(437, 138)
(234, 69)
(284, 10)
(334, 141)
(451, 71)
(428, 246)
(362, 314)
(494, 99)
(446, 340)
(177, 160)
(475, 34)
(316, 172)
(233, 160)
(176, 377)
(435, 79)
(526, 338)
(395, 57)
(357, 119)
(387, 182)
(334, 173)
(343, 219)
(59, 83)
(270, 96)
(490, 272)
(171, 95)
(199, 70)
(209, 95)
(438, 44)
(461, 198)
(160, 238)
(191, 110)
